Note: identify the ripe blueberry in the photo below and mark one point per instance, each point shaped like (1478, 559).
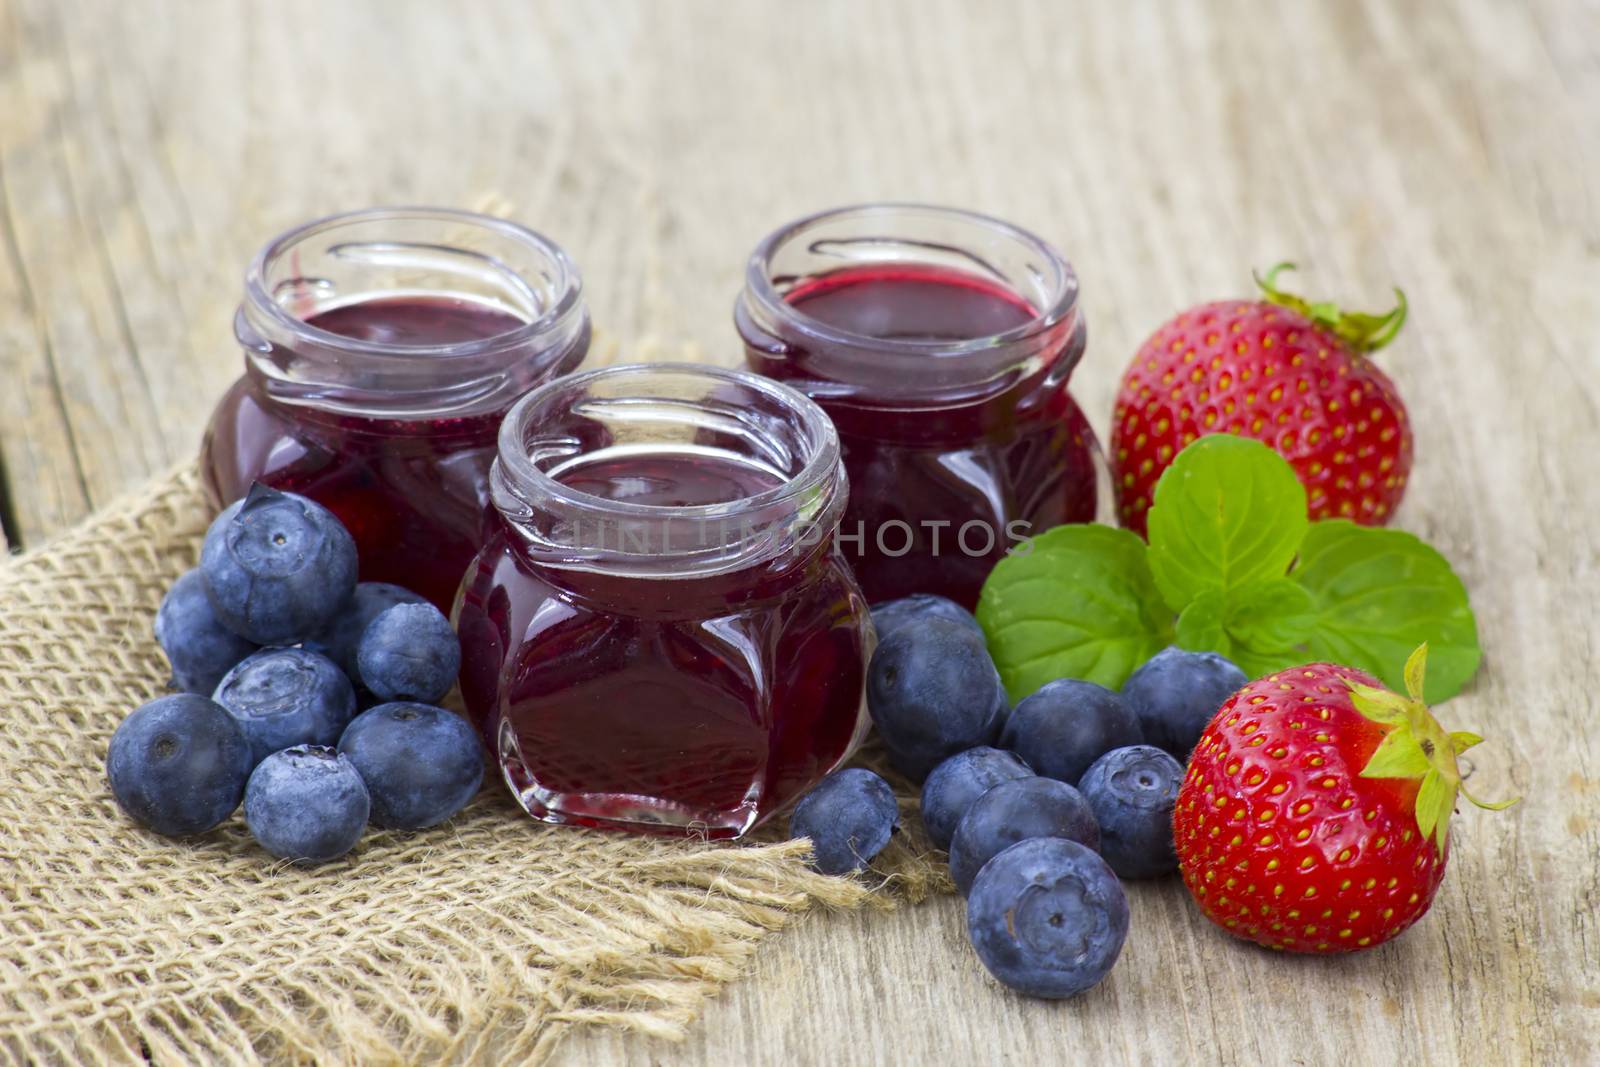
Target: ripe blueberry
(306, 803)
(409, 652)
(340, 639)
(1047, 917)
(421, 763)
(200, 649)
(891, 615)
(1015, 811)
(1067, 725)
(1132, 792)
(848, 816)
(960, 780)
(1176, 693)
(287, 696)
(178, 764)
(933, 691)
(277, 566)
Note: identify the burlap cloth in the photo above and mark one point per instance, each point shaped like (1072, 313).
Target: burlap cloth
(483, 940)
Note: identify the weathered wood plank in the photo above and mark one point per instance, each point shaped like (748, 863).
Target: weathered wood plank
(44, 487)
(55, 182)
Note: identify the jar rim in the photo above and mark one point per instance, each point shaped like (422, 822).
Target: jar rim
(1060, 305)
(565, 280)
(820, 466)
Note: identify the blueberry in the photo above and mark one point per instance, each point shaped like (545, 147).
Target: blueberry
(933, 691)
(306, 803)
(891, 615)
(341, 637)
(288, 696)
(409, 652)
(421, 763)
(848, 816)
(1067, 725)
(178, 764)
(200, 649)
(277, 566)
(1015, 811)
(960, 780)
(1176, 693)
(1047, 917)
(1132, 792)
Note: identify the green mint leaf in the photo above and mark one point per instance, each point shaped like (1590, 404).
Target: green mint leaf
(1228, 511)
(1260, 664)
(1271, 616)
(1377, 595)
(1080, 604)
(1202, 626)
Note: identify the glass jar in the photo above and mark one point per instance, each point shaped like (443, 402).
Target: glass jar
(659, 633)
(940, 342)
(382, 348)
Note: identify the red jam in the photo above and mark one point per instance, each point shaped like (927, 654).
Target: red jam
(911, 303)
(385, 408)
(948, 469)
(647, 672)
(415, 321)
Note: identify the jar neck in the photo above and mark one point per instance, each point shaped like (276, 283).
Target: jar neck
(517, 291)
(643, 594)
(297, 370)
(668, 472)
(909, 307)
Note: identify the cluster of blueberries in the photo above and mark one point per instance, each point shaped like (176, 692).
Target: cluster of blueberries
(275, 648)
(1043, 807)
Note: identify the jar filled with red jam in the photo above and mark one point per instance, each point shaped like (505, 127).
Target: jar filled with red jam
(940, 342)
(660, 633)
(382, 348)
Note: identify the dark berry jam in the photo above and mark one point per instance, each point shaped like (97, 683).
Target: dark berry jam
(668, 479)
(416, 321)
(383, 406)
(632, 684)
(956, 448)
(911, 303)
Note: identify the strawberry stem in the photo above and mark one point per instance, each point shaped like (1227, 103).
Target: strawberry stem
(1361, 331)
(1415, 746)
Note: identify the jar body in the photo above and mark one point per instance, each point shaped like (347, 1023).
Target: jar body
(941, 349)
(938, 497)
(660, 634)
(705, 716)
(381, 350)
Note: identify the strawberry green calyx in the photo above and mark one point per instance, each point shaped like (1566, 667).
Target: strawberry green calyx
(1417, 747)
(1362, 331)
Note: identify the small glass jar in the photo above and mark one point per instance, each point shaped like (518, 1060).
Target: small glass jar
(659, 633)
(940, 342)
(382, 348)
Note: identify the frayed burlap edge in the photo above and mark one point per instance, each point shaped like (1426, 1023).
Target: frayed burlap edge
(481, 941)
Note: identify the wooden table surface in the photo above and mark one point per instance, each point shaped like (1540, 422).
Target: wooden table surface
(147, 149)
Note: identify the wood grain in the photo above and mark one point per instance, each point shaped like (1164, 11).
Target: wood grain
(147, 148)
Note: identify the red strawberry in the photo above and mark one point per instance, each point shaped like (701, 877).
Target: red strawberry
(1288, 373)
(1315, 813)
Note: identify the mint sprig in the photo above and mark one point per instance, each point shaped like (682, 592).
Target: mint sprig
(1233, 566)
(1079, 604)
(1221, 522)
(1379, 593)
